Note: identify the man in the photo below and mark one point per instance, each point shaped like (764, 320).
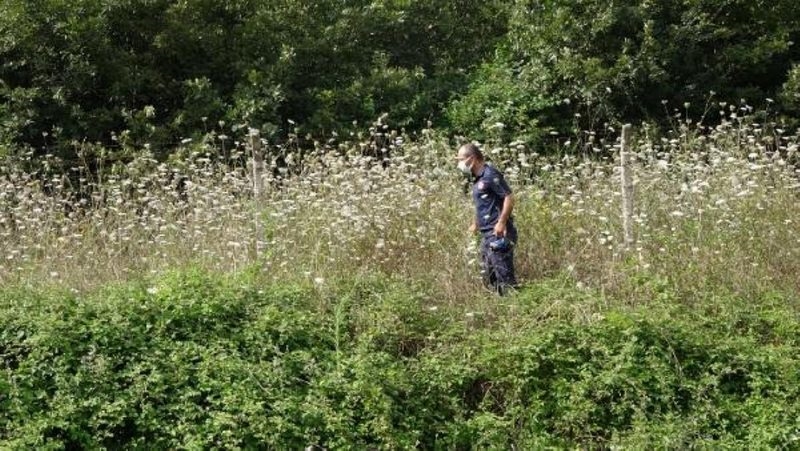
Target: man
(494, 203)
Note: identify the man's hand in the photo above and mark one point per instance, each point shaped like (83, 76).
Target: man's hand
(473, 228)
(500, 229)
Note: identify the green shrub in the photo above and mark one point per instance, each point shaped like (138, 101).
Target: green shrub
(201, 361)
(791, 89)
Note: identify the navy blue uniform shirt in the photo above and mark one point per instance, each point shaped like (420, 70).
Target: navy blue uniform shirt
(489, 192)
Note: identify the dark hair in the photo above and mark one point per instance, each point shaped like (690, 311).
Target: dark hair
(473, 151)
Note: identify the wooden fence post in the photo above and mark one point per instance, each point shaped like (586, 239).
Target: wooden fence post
(258, 186)
(626, 172)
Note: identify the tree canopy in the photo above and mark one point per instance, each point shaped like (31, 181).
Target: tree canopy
(155, 71)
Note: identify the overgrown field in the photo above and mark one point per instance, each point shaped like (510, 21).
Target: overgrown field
(136, 312)
(714, 210)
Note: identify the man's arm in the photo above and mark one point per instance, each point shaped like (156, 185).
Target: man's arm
(508, 207)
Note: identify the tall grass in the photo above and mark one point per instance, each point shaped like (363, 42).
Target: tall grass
(362, 323)
(714, 209)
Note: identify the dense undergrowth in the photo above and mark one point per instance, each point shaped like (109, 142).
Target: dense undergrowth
(192, 360)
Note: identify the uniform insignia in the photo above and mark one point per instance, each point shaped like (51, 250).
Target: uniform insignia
(481, 185)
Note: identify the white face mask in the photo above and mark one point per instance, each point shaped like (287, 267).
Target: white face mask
(463, 167)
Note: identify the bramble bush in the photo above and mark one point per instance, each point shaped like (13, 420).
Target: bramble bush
(195, 360)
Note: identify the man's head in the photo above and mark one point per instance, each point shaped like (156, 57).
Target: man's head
(469, 158)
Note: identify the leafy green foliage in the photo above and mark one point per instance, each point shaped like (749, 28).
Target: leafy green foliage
(153, 72)
(577, 65)
(212, 362)
(80, 70)
(791, 89)
(499, 107)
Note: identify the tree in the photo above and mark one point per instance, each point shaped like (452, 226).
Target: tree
(613, 61)
(155, 71)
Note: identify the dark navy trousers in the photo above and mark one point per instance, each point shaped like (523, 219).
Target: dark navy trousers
(497, 266)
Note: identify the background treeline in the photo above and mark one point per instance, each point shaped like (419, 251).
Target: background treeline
(136, 72)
